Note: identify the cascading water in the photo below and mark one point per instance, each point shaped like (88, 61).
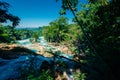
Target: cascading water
(10, 69)
(43, 42)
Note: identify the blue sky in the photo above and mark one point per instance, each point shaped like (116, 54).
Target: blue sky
(34, 13)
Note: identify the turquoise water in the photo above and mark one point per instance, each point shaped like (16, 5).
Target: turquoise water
(7, 70)
(24, 42)
(47, 47)
(34, 50)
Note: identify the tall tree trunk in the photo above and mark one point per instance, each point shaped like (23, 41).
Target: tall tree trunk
(90, 44)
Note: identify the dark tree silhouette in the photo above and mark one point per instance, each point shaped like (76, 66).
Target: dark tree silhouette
(5, 15)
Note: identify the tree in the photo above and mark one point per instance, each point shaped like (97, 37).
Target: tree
(57, 30)
(72, 5)
(99, 20)
(5, 15)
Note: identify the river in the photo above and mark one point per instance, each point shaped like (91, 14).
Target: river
(11, 69)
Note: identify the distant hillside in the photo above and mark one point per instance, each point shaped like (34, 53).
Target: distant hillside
(39, 28)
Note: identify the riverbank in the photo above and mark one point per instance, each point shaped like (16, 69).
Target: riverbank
(8, 50)
(12, 51)
(13, 54)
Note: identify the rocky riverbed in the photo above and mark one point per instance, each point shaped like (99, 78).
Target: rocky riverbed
(16, 57)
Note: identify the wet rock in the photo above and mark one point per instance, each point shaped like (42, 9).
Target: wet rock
(45, 66)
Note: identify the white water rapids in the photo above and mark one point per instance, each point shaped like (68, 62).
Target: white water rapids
(10, 69)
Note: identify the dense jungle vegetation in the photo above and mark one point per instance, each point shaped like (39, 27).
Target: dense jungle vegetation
(96, 28)
(94, 36)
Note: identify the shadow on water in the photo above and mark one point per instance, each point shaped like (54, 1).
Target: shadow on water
(15, 52)
(19, 63)
(22, 63)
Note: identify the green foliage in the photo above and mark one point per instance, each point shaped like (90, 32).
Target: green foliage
(21, 34)
(4, 34)
(65, 5)
(5, 15)
(44, 75)
(4, 38)
(79, 76)
(35, 34)
(99, 22)
(8, 34)
(57, 30)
